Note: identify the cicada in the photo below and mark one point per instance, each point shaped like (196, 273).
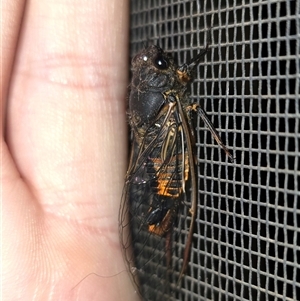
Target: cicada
(161, 177)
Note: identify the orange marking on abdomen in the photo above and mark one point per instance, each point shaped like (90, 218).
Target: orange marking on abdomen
(169, 176)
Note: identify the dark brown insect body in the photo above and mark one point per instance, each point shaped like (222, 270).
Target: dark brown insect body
(161, 164)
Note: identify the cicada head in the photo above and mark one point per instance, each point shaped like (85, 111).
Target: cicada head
(153, 73)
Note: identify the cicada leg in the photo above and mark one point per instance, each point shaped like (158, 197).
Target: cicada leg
(197, 108)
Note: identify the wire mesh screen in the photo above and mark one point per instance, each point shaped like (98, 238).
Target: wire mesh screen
(247, 231)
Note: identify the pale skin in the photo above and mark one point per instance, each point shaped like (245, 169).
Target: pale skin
(63, 149)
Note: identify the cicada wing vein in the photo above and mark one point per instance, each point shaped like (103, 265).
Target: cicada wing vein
(161, 162)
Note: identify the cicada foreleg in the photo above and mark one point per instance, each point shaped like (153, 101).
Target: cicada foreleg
(197, 108)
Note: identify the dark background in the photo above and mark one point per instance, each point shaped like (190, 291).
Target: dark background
(247, 233)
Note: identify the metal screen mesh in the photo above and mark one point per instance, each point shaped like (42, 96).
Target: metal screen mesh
(247, 232)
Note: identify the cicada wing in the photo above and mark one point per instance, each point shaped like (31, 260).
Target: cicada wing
(145, 252)
(153, 194)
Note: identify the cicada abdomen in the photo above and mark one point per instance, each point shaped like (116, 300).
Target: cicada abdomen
(160, 179)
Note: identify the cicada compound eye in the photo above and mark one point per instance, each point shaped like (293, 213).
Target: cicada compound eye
(161, 62)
